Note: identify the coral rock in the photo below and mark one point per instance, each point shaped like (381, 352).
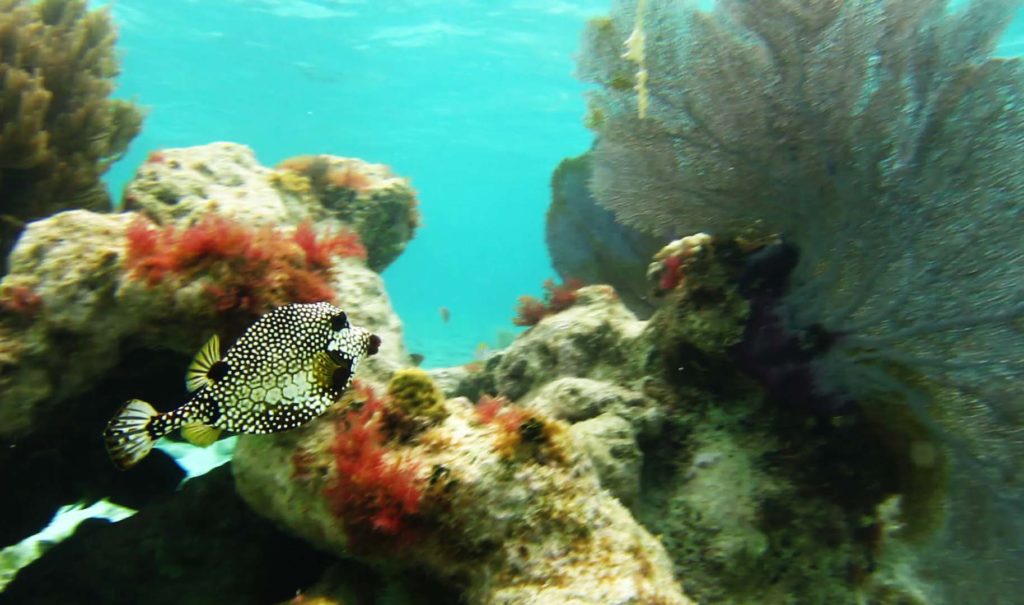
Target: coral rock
(610, 443)
(504, 531)
(220, 178)
(182, 185)
(594, 338)
(91, 306)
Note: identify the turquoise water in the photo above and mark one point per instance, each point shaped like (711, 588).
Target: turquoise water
(474, 101)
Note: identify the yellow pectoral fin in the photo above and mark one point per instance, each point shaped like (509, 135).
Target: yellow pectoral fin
(201, 435)
(323, 368)
(332, 373)
(198, 374)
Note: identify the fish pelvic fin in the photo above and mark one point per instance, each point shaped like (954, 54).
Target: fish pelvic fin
(199, 434)
(129, 436)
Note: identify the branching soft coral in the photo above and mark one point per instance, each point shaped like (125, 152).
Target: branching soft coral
(375, 495)
(244, 270)
(558, 297)
(59, 131)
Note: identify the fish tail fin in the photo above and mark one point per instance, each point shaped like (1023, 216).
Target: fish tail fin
(129, 435)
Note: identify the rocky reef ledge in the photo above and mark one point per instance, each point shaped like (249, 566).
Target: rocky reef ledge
(600, 459)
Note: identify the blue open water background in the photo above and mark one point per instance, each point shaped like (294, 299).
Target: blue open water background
(474, 100)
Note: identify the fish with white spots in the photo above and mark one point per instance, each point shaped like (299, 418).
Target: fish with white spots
(285, 370)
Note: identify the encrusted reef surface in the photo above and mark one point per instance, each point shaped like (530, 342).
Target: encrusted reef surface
(227, 179)
(755, 499)
(599, 459)
(508, 517)
(97, 308)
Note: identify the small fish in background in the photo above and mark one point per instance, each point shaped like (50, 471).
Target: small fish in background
(285, 370)
(482, 352)
(445, 314)
(416, 359)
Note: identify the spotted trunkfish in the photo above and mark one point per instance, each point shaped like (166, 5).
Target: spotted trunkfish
(285, 370)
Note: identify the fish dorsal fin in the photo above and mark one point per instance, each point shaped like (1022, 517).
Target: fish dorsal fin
(198, 374)
(200, 434)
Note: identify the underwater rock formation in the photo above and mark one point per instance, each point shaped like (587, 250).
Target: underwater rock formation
(881, 141)
(756, 499)
(94, 312)
(587, 244)
(100, 308)
(504, 507)
(179, 185)
(380, 206)
(59, 131)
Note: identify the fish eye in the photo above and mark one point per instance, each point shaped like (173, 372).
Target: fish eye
(339, 321)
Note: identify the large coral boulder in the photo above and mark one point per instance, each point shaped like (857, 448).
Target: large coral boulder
(181, 185)
(507, 515)
(100, 308)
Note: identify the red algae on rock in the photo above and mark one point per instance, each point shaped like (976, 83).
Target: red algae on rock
(243, 269)
(377, 497)
(558, 297)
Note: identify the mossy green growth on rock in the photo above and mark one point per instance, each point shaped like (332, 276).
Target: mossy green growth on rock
(59, 131)
(413, 391)
(378, 205)
(702, 316)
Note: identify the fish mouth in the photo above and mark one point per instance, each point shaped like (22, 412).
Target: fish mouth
(373, 344)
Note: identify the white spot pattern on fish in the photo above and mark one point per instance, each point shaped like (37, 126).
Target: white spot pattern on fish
(285, 370)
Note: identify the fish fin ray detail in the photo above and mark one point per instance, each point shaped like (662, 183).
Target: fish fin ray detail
(128, 437)
(197, 375)
(323, 369)
(202, 435)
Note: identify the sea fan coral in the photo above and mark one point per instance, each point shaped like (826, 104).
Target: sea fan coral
(59, 131)
(245, 270)
(883, 142)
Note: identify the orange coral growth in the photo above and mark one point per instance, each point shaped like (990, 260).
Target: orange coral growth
(376, 496)
(348, 177)
(521, 433)
(245, 270)
(558, 297)
(299, 163)
(488, 408)
(324, 173)
(21, 301)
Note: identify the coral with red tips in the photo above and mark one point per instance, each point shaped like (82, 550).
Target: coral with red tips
(245, 270)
